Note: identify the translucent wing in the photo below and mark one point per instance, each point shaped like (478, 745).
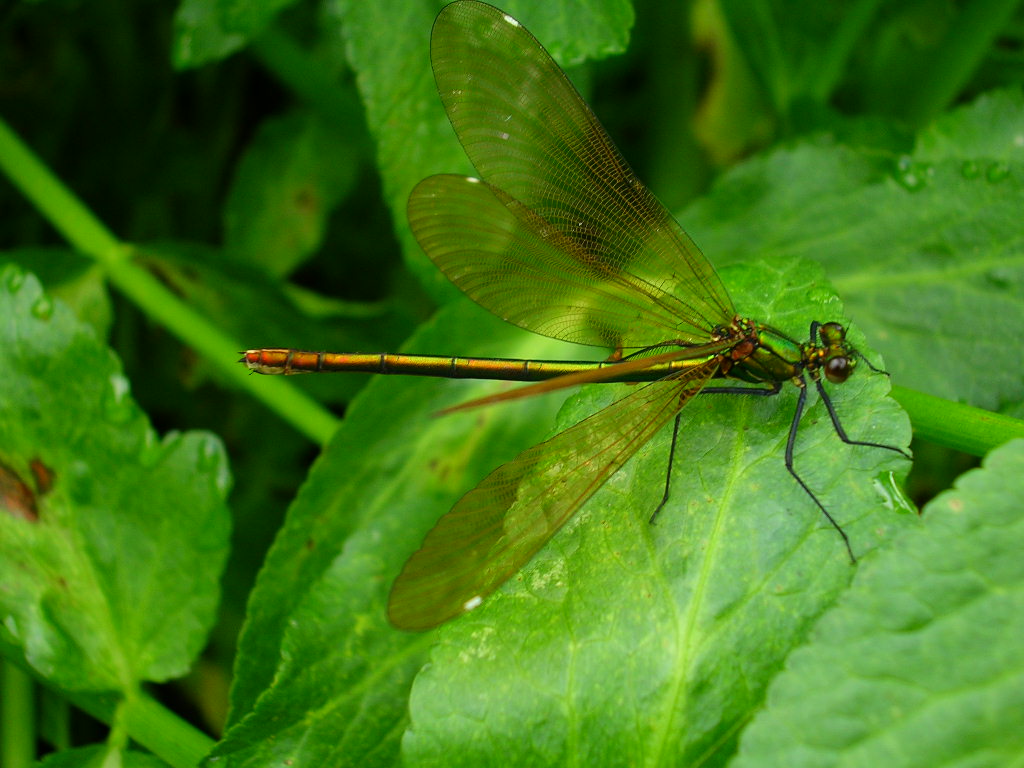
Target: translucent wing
(499, 525)
(551, 166)
(516, 265)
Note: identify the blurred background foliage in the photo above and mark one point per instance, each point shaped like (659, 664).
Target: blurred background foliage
(229, 143)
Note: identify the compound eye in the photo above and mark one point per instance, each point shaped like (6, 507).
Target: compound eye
(838, 369)
(832, 333)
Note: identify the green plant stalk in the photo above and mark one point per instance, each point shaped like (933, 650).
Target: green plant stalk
(956, 58)
(164, 733)
(17, 717)
(829, 70)
(776, 77)
(152, 725)
(55, 713)
(955, 425)
(148, 722)
(87, 234)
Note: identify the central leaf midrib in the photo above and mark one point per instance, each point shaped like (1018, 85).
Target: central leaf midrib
(674, 700)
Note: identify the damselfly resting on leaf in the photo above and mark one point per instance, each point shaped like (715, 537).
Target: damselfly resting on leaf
(559, 237)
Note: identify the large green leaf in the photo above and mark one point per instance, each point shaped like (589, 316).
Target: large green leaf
(403, 111)
(111, 540)
(317, 636)
(927, 250)
(615, 623)
(623, 642)
(295, 171)
(208, 30)
(922, 662)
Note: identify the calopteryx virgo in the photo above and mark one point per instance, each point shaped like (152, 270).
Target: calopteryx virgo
(558, 236)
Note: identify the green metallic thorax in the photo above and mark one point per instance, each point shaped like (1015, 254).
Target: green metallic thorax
(762, 354)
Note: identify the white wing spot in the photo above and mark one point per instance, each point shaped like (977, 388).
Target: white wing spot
(473, 602)
(472, 179)
(510, 20)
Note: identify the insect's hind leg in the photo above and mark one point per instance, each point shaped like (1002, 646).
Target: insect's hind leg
(759, 391)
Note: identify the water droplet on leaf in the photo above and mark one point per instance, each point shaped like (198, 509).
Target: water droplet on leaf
(912, 176)
(117, 403)
(997, 172)
(15, 278)
(42, 308)
(892, 494)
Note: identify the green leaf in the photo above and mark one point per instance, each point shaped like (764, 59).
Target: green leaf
(632, 619)
(208, 30)
(199, 36)
(922, 661)
(317, 613)
(403, 112)
(73, 279)
(111, 540)
(926, 252)
(294, 172)
(988, 129)
(572, 37)
(657, 642)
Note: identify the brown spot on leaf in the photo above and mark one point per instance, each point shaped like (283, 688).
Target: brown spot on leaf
(43, 474)
(15, 495)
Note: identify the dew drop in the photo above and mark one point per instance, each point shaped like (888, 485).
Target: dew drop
(81, 484)
(117, 403)
(818, 295)
(910, 175)
(1000, 277)
(209, 454)
(997, 172)
(211, 459)
(15, 278)
(893, 497)
(42, 308)
(970, 169)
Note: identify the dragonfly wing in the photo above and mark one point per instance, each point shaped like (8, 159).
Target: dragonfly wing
(520, 268)
(498, 526)
(530, 134)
